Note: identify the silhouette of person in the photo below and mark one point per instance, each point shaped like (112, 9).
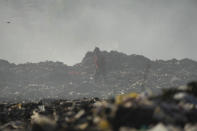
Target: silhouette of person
(100, 65)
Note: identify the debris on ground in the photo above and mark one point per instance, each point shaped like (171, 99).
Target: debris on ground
(175, 109)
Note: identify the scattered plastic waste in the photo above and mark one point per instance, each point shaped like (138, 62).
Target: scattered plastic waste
(172, 110)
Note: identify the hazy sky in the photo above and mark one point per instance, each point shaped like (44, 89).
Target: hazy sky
(64, 30)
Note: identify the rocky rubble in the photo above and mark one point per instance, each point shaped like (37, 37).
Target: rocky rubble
(124, 73)
(174, 109)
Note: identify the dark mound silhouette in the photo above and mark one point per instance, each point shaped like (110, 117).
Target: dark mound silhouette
(124, 73)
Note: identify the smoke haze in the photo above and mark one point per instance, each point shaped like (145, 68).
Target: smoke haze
(64, 30)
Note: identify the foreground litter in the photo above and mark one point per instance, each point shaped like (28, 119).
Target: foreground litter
(175, 109)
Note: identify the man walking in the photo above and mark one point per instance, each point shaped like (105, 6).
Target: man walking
(100, 64)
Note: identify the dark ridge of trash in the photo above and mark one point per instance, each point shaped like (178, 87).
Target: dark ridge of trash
(122, 73)
(174, 109)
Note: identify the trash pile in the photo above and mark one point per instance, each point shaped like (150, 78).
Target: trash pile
(175, 109)
(121, 74)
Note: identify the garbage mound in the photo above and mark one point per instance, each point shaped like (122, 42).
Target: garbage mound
(175, 109)
(123, 73)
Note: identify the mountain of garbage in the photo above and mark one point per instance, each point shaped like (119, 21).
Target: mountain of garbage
(174, 109)
(123, 73)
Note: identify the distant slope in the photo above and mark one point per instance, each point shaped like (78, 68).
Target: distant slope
(124, 73)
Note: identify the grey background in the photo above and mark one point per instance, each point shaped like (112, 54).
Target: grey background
(64, 30)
